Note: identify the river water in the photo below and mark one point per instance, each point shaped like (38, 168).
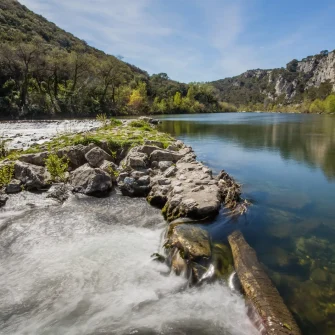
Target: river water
(84, 268)
(286, 164)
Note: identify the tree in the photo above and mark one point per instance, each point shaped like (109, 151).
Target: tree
(329, 104)
(317, 106)
(138, 100)
(177, 100)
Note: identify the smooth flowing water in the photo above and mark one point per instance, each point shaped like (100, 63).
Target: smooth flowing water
(84, 267)
(286, 163)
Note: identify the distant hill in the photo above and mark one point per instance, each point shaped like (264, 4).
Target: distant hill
(306, 80)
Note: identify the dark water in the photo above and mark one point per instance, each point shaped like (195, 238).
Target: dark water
(286, 163)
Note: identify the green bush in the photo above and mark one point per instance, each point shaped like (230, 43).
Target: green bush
(57, 167)
(6, 174)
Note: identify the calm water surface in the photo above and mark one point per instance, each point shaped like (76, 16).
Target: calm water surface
(286, 163)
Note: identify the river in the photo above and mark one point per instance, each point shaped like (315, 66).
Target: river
(286, 165)
(84, 267)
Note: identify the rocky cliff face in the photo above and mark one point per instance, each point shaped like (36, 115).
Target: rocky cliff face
(320, 69)
(312, 77)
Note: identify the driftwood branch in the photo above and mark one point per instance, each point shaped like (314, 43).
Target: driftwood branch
(260, 291)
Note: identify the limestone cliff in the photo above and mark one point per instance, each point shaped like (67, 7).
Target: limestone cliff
(312, 77)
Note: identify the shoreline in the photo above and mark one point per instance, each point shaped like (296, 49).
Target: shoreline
(141, 162)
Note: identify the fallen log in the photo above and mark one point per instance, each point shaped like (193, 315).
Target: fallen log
(275, 317)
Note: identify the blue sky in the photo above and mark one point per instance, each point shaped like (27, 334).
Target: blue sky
(198, 40)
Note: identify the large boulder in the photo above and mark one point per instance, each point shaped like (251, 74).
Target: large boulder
(33, 177)
(88, 180)
(96, 156)
(135, 160)
(165, 155)
(75, 154)
(36, 159)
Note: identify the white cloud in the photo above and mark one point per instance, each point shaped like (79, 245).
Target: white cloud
(161, 38)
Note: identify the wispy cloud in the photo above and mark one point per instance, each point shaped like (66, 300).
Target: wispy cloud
(189, 39)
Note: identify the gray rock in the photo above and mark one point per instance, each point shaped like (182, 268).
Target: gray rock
(36, 159)
(165, 155)
(32, 176)
(3, 199)
(147, 149)
(133, 188)
(145, 180)
(164, 181)
(135, 160)
(170, 172)
(172, 147)
(60, 192)
(163, 165)
(75, 154)
(138, 174)
(96, 156)
(155, 143)
(14, 187)
(110, 168)
(88, 180)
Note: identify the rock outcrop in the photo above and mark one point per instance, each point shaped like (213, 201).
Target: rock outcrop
(259, 290)
(179, 183)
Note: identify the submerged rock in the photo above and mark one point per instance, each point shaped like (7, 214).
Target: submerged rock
(88, 180)
(3, 199)
(33, 177)
(189, 251)
(60, 192)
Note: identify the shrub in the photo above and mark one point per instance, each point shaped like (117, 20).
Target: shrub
(57, 167)
(3, 148)
(102, 118)
(6, 174)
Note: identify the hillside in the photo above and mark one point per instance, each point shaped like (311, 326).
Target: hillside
(47, 72)
(300, 82)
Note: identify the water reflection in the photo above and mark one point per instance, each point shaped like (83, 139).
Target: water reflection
(286, 163)
(304, 138)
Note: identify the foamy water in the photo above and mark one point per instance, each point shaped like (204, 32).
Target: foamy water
(23, 134)
(85, 268)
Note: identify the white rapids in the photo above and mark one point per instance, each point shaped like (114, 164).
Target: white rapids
(84, 267)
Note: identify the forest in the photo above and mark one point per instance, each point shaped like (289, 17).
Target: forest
(47, 72)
